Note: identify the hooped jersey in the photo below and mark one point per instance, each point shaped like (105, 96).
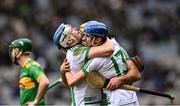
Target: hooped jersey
(30, 73)
(113, 66)
(82, 94)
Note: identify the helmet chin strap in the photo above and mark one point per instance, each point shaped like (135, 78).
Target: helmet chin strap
(93, 40)
(13, 55)
(19, 54)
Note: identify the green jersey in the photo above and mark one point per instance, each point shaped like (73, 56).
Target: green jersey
(31, 72)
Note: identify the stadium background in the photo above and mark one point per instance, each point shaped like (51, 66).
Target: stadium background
(150, 28)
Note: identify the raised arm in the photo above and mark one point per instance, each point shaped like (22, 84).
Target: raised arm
(106, 49)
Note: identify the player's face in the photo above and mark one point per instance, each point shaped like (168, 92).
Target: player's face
(76, 35)
(87, 40)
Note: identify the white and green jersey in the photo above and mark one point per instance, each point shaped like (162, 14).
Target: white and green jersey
(82, 94)
(112, 66)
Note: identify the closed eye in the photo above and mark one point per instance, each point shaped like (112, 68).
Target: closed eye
(65, 35)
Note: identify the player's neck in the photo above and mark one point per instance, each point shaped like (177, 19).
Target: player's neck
(23, 60)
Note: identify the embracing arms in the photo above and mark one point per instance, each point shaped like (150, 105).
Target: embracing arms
(105, 49)
(132, 76)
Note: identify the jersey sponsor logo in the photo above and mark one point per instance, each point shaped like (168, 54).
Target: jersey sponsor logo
(78, 50)
(26, 83)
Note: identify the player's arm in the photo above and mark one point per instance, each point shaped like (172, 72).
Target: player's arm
(43, 85)
(134, 73)
(106, 49)
(129, 78)
(68, 78)
(74, 79)
(43, 81)
(65, 67)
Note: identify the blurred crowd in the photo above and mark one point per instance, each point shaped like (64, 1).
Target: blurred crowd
(149, 28)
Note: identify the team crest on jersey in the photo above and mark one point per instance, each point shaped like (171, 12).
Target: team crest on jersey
(78, 50)
(26, 83)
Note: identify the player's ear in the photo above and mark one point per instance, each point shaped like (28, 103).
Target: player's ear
(97, 40)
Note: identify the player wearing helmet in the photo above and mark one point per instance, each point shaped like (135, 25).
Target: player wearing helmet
(96, 31)
(118, 64)
(32, 81)
(69, 38)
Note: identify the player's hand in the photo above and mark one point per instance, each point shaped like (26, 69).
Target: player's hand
(65, 67)
(114, 83)
(30, 104)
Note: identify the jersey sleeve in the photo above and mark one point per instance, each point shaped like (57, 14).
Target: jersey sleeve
(87, 53)
(125, 54)
(35, 72)
(120, 51)
(90, 66)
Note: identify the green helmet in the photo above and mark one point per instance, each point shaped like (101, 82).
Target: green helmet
(24, 44)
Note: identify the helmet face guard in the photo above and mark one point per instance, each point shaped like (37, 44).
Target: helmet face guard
(62, 35)
(13, 56)
(66, 35)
